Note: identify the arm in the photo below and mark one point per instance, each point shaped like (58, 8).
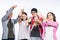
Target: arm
(16, 20)
(54, 24)
(20, 15)
(7, 13)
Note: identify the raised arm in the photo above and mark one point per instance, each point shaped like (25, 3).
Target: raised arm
(7, 13)
(53, 24)
(20, 15)
(16, 20)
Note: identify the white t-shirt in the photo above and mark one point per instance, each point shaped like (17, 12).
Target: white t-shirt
(24, 32)
(49, 33)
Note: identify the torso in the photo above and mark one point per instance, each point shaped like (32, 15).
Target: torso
(24, 32)
(35, 32)
(49, 33)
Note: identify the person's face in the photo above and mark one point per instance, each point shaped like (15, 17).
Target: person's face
(50, 16)
(10, 15)
(24, 16)
(34, 13)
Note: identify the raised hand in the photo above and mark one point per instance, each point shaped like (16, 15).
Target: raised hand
(20, 13)
(22, 10)
(14, 6)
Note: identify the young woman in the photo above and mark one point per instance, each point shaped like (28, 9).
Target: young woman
(24, 33)
(50, 27)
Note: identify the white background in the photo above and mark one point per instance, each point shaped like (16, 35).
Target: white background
(43, 6)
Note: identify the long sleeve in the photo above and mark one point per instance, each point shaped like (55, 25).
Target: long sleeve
(7, 14)
(53, 24)
(16, 20)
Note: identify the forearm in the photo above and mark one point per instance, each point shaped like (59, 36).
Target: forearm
(7, 14)
(16, 20)
(10, 10)
(53, 24)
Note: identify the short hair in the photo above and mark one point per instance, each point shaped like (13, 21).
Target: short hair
(34, 9)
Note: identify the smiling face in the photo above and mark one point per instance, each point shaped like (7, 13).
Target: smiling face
(24, 17)
(34, 13)
(51, 16)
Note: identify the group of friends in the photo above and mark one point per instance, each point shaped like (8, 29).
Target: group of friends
(36, 27)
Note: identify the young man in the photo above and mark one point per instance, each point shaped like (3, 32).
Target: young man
(8, 25)
(35, 25)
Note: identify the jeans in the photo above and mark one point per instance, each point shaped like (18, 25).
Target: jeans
(9, 39)
(36, 38)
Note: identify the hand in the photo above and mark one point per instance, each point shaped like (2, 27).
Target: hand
(20, 13)
(14, 6)
(35, 24)
(29, 20)
(22, 10)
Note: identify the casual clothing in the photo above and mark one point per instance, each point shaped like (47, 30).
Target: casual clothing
(8, 27)
(24, 32)
(49, 33)
(8, 39)
(53, 29)
(35, 31)
(35, 38)
(24, 39)
(35, 34)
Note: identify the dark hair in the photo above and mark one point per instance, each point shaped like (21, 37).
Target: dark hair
(25, 14)
(54, 17)
(34, 9)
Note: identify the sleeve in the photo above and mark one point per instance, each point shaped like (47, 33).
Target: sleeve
(54, 24)
(7, 14)
(16, 20)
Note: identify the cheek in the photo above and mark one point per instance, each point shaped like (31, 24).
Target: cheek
(51, 17)
(24, 17)
(48, 17)
(32, 14)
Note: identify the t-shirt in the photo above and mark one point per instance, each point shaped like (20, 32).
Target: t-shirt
(24, 32)
(35, 32)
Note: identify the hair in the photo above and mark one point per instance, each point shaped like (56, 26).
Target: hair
(54, 17)
(25, 14)
(34, 9)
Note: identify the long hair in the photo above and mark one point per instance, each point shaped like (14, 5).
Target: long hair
(54, 17)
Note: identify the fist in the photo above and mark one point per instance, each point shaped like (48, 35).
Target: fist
(22, 10)
(14, 6)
